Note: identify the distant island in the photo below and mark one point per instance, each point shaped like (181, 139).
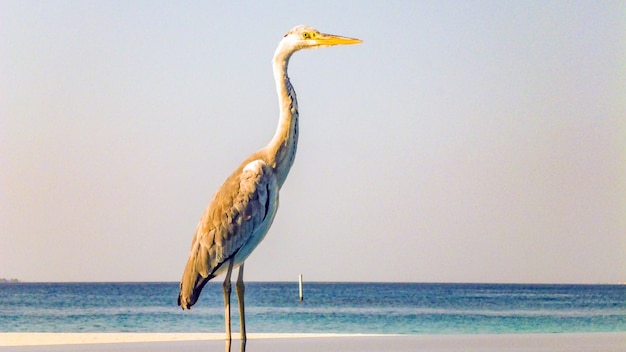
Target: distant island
(7, 281)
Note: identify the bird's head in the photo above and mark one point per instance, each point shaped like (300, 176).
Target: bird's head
(304, 37)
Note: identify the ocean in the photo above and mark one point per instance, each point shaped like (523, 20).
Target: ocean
(364, 308)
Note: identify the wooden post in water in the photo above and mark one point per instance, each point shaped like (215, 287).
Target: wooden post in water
(300, 282)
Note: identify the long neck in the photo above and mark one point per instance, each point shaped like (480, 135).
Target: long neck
(282, 148)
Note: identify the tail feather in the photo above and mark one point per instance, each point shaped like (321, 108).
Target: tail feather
(197, 273)
(187, 298)
(191, 285)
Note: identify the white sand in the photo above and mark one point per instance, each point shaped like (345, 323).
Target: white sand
(40, 339)
(591, 342)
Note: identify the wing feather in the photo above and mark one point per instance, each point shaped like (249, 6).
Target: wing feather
(234, 215)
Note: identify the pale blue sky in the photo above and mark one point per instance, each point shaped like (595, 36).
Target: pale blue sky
(462, 141)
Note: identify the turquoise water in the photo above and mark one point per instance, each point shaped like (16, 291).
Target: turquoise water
(405, 308)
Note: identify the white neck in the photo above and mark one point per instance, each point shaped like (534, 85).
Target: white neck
(282, 147)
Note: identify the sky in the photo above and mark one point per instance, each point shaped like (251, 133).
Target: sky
(476, 141)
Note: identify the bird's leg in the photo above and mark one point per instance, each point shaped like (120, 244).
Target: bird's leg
(242, 316)
(226, 287)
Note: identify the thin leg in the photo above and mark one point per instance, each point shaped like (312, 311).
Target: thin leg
(242, 316)
(226, 287)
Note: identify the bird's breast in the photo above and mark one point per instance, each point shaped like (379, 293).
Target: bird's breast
(259, 233)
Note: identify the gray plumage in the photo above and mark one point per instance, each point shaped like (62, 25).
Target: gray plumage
(241, 212)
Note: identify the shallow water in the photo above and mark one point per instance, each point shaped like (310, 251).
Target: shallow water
(405, 308)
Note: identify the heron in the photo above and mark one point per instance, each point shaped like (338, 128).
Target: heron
(242, 210)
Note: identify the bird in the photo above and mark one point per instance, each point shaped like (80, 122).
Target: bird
(242, 210)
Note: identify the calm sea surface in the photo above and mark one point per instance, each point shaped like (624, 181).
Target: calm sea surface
(404, 308)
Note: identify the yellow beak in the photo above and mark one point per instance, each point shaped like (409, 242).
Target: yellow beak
(331, 39)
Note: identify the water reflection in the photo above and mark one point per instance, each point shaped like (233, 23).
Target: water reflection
(242, 345)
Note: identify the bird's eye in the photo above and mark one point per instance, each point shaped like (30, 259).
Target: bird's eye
(306, 35)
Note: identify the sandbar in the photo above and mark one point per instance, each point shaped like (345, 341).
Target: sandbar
(91, 342)
(53, 338)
